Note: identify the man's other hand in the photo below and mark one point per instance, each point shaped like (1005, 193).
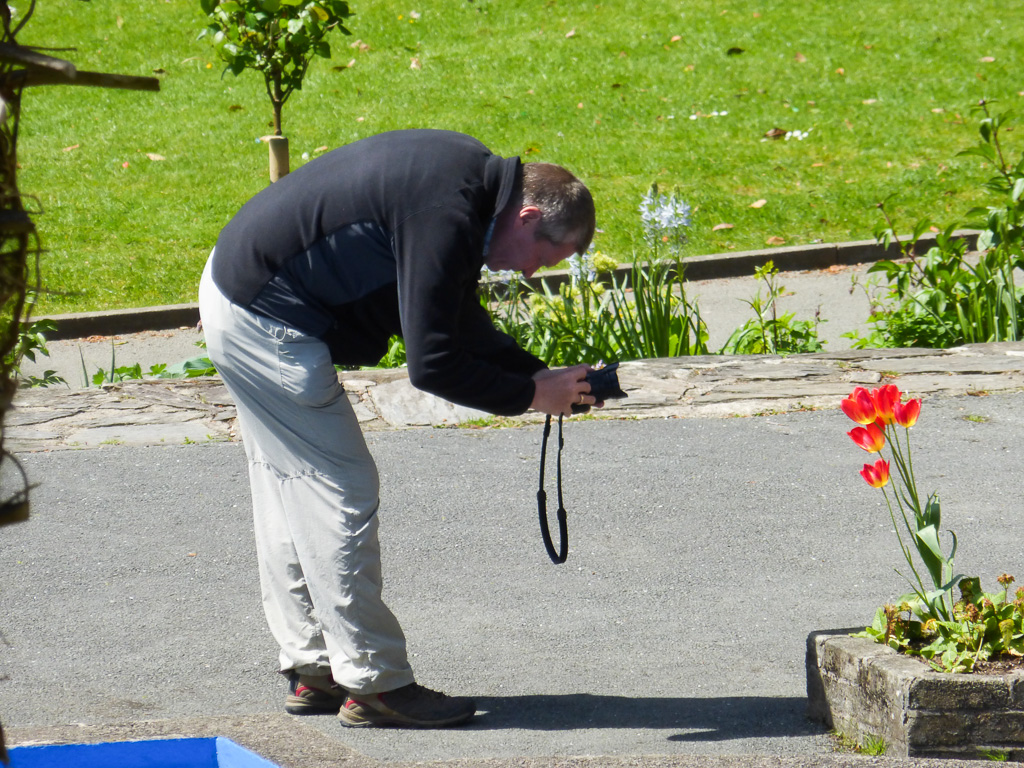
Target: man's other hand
(558, 389)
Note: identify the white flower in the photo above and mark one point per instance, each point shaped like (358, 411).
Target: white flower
(582, 268)
(503, 276)
(664, 219)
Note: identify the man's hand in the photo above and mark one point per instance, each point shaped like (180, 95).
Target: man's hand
(558, 389)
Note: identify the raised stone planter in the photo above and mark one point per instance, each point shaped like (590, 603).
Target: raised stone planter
(863, 689)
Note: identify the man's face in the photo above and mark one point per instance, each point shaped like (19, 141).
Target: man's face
(515, 245)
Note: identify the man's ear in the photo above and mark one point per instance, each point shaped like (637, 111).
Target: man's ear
(529, 214)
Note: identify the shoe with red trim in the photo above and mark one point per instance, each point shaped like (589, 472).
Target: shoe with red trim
(313, 695)
(411, 706)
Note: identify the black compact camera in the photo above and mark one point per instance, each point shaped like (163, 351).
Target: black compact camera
(604, 385)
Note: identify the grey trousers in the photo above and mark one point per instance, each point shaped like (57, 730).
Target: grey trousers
(314, 496)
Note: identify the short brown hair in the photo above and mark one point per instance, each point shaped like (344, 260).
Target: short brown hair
(565, 203)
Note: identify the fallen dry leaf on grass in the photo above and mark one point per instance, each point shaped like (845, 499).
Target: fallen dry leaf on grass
(721, 226)
(154, 156)
(775, 240)
(73, 146)
(759, 203)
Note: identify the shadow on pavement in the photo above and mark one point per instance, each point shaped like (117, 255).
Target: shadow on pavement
(710, 719)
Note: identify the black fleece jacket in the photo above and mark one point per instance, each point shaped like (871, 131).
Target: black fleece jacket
(386, 236)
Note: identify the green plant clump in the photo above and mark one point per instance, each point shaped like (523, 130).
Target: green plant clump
(942, 299)
(769, 333)
(30, 342)
(590, 320)
(983, 626)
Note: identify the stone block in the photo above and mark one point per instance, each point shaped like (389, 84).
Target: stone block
(940, 691)
(1000, 727)
(930, 730)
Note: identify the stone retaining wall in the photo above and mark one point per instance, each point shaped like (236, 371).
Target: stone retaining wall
(863, 689)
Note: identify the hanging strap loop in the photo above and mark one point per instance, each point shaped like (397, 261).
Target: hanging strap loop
(559, 556)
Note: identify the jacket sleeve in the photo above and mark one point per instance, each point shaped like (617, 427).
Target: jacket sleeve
(449, 351)
(488, 343)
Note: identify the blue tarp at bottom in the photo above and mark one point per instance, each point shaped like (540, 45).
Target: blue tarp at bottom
(159, 753)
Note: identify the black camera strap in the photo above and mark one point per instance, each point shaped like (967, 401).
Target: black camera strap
(542, 499)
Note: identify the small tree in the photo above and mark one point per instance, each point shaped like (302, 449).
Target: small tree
(276, 37)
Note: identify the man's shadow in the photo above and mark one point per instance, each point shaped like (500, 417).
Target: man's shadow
(711, 719)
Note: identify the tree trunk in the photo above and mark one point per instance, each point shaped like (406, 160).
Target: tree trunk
(278, 143)
(278, 157)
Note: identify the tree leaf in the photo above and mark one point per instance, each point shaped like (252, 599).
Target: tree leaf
(759, 203)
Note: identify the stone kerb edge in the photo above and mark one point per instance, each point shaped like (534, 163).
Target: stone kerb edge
(863, 689)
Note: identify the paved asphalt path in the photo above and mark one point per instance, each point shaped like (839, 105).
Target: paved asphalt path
(704, 551)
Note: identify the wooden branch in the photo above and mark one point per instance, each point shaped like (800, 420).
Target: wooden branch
(30, 78)
(19, 54)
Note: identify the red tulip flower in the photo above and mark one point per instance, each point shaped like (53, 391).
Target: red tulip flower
(871, 437)
(906, 413)
(886, 399)
(877, 475)
(915, 520)
(859, 406)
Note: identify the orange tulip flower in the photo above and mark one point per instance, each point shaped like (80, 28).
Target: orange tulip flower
(871, 437)
(877, 475)
(859, 406)
(906, 413)
(886, 399)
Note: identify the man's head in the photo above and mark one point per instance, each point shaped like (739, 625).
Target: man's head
(552, 219)
(567, 209)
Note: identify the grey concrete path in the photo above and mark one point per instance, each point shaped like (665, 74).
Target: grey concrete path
(704, 550)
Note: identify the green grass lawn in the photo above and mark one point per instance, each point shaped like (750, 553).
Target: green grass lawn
(623, 93)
